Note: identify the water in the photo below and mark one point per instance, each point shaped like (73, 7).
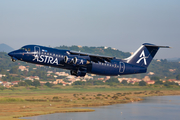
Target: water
(152, 108)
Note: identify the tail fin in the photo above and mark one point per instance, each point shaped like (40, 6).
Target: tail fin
(144, 55)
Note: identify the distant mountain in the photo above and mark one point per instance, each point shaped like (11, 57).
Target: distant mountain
(5, 48)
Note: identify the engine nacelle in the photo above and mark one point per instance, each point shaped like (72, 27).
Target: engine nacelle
(80, 61)
(68, 60)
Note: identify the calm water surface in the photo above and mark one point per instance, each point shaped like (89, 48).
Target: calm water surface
(152, 108)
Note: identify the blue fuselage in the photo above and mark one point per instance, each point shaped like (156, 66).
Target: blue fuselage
(78, 64)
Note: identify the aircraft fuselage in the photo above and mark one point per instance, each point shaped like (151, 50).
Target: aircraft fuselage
(76, 63)
(81, 63)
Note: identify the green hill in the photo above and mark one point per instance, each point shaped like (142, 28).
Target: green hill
(98, 50)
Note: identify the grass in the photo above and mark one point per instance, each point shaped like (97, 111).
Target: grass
(30, 102)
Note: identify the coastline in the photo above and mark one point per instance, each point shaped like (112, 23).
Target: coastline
(71, 101)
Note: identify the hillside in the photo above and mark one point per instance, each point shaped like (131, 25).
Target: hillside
(5, 48)
(98, 50)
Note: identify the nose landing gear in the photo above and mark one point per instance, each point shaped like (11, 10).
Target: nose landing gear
(14, 60)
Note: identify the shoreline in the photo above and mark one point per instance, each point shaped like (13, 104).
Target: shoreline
(71, 102)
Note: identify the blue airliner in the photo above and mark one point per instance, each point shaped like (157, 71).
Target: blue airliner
(81, 63)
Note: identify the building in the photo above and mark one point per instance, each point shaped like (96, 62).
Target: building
(172, 70)
(151, 73)
(61, 74)
(6, 84)
(49, 72)
(100, 79)
(32, 78)
(150, 82)
(23, 68)
(1, 75)
(146, 78)
(15, 82)
(88, 77)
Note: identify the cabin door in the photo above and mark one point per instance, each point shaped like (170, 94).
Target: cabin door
(37, 50)
(121, 67)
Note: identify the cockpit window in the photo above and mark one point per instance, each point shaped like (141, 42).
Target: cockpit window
(22, 49)
(25, 49)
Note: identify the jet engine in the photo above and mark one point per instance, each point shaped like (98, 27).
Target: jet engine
(75, 61)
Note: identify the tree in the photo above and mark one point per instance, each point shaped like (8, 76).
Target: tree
(2, 88)
(169, 84)
(159, 82)
(142, 83)
(124, 82)
(22, 83)
(112, 80)
(79, 83)
(48, 84)
(14, 70)
(155, 78)
(178, 77)
(29, 82)
(60, 84)
(95, 82)
(36, 83)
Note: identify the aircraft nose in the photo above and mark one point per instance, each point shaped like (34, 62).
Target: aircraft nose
(11, 54)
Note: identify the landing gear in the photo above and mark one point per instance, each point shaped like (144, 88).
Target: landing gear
(13, 59)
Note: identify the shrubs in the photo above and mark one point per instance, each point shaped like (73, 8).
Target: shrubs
(99, 94)
(55, 98)
(115, 97)
(11, 100)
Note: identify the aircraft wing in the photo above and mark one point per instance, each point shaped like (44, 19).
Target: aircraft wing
(93, 57)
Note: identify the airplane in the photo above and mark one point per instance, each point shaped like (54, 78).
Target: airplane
(80, 63)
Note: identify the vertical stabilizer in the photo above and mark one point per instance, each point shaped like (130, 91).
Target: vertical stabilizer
(144, 55)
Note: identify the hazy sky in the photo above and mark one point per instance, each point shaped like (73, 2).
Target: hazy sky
(121, 24)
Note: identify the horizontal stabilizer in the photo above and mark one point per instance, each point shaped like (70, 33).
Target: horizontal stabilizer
(152, 45)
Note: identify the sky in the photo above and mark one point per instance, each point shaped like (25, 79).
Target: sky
(121, 24)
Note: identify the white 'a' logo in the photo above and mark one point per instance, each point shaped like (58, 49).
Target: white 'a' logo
(142, 56)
